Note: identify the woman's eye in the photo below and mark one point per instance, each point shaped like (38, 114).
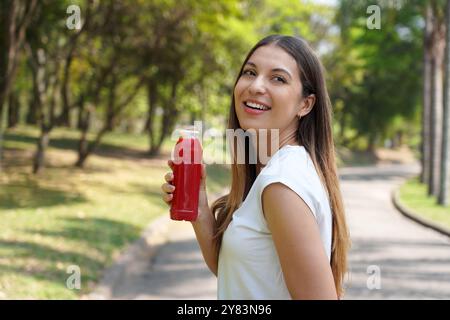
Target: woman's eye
(279, 79)
(248, 72)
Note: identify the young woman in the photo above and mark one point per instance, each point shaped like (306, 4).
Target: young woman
(281, 232)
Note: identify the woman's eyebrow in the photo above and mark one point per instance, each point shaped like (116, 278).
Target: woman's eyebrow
(275, 69)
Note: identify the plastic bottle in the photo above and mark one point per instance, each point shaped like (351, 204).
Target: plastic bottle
(187, 170)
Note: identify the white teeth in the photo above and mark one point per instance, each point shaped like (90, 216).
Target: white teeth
(257, 106)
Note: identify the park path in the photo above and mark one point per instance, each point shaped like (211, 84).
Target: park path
(176, 271)
(413, 261)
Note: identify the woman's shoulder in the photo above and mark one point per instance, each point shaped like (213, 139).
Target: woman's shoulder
(293, 167)
(289, 161)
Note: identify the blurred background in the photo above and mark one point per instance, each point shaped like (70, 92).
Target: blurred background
(91, 91)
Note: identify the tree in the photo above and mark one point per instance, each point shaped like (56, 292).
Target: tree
(185, 48)
(114, 78)
(15, 17)
(45, 47)
(13, 109)
(43, 51)
(373, 80)
(72, 45)
(444, 178)
(426, 96)
(437, 64)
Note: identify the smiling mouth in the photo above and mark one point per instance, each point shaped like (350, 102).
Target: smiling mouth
(256, 106)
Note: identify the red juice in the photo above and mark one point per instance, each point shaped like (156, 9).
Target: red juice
(187, 171)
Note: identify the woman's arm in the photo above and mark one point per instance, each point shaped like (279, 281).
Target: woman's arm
(304, 263)
(204, 231)
(204, 225)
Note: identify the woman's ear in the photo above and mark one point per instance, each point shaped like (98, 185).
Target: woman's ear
(307, 105)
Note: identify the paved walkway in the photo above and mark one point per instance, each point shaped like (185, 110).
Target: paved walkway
(414, 262)
(177, 271)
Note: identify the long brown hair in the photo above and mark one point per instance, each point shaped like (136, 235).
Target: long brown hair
(315, 134)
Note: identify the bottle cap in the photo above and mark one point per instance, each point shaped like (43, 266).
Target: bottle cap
(188, 132)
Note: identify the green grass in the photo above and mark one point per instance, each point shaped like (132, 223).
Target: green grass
(66, 216)
(413, 195)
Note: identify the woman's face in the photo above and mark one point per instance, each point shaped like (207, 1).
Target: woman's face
(268, 92)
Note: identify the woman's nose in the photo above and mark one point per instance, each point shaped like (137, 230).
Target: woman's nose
(257, 86)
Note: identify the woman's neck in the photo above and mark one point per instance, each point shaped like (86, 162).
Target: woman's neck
(275, 143)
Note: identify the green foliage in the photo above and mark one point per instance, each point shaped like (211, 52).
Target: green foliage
(375, 75)
(192, 50)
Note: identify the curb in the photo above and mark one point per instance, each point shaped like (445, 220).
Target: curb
(143, 249)
(415, 217)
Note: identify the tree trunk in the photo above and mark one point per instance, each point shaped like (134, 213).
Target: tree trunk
(13, 110)
(82, 151)
(90, 148)
(84, 119)
(152, 97)
(114, 110)
(81, 111)
(148, 120)
(31, 117)
(426, 134)
(64, 118)
(436, 107)
(170, 116)
(38, 160)
(39, 96)
(1, 117)
(444, 178)
(14, 22)
(110, 109)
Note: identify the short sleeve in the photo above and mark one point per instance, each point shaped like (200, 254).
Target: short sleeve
(295, 184)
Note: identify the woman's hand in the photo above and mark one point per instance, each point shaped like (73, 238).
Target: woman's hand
(168, 189)
(204, 224)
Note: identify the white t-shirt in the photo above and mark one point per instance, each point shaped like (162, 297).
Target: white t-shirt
(249, 267)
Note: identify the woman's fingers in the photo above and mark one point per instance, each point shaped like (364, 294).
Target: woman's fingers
(167, 197)
(169, 176)
(167, 192)
(167, 188)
